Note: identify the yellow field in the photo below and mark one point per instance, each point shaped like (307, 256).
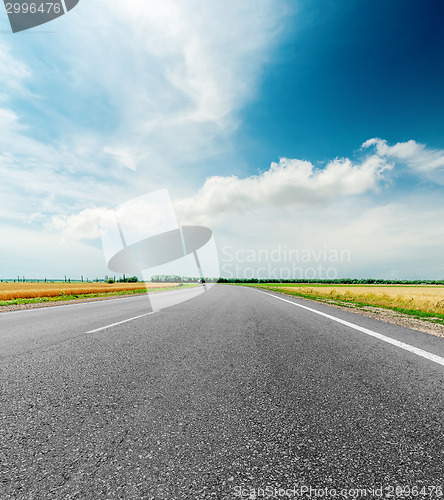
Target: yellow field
(10, 291)
(427, 298)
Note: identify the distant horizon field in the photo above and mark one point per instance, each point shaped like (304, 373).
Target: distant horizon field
(422, 301)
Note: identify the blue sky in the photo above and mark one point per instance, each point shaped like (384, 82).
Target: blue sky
(300, 124)
(349, 71)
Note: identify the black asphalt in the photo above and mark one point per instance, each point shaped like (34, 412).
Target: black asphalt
(223, 397)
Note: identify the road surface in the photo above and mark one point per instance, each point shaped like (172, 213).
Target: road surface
(226, 396)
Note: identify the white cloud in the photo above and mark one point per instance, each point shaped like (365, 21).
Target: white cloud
(289, 183)
(415, 155)
(83, 225)
(140, 217)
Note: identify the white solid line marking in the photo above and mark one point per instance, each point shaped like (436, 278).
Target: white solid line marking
(120, 322)
(389, 340)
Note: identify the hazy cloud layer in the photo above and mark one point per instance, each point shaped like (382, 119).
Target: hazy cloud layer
(126, 99)
(13, 73)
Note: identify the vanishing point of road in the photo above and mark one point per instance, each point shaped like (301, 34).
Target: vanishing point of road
(234, 394)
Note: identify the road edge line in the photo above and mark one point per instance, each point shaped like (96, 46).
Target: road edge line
(407, 347)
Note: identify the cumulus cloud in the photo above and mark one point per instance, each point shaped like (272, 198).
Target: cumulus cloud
(147, 215)
(415, 155)
(289, 183)
(83, 225)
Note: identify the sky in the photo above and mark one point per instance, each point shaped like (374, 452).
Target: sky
(308, 135)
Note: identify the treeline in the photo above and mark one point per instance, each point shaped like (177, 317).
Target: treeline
(123, 279)
(338, 281)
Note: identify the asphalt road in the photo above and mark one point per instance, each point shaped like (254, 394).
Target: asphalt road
(225, 396)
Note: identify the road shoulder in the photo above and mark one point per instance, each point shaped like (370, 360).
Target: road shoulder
(379, 313)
